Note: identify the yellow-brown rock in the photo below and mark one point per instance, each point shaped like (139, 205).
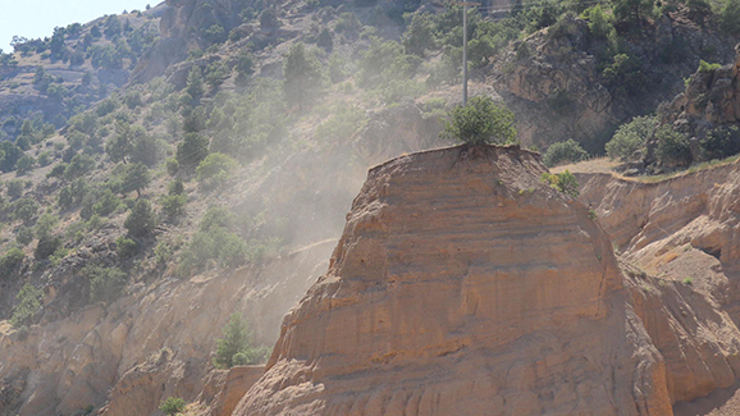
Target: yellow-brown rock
(464, 286)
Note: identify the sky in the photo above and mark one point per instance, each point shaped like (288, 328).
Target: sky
(37, 18)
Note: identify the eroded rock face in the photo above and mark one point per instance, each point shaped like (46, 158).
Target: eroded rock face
(681, 236)
(463, 285)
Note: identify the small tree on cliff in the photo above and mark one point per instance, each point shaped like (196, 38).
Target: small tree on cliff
(481, 121)
(236, 347)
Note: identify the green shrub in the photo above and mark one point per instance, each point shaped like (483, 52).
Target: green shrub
(25, 164)
(631, 137)
(172, 166)
(46, 224)
(10, 261)
(106, 284)
(173, 206)
(24, 236)
(14, 188)
(673, 147)
(192, 150)
(348, 23)
(480, 122)
(195, 83)
(47, 245)
(126, 247)
(106, 204)
(625, 75)
(28, 303)
(25, 209)
(721, 142)
(729, 17)
(564, 152)
(564, 182)
(141, 221)
(44, 159)
(216, 73)
(172, 406)
(80, 165)
(236, 346)
(600, 23)
(215, 170)
(705, 66)
(176, 187)
(303, 76)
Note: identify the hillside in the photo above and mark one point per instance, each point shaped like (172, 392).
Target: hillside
(166, 168)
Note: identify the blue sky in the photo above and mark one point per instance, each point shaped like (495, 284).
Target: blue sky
(37, 18)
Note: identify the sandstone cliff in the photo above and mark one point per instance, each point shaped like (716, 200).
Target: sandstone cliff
(463, 285)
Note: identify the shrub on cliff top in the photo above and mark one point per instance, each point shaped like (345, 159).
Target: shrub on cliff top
(481, 121)
(567, 151)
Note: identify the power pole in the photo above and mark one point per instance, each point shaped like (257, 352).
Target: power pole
(465, 47)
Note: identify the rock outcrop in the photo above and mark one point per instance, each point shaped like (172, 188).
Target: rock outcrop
(463, 285)
(711, 100)
(556, 77)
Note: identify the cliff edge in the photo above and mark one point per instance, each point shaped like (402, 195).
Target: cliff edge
(464, 285)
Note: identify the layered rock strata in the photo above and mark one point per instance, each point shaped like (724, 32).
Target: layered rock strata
(463, 285)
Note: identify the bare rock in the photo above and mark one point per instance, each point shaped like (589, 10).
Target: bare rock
(463, 285)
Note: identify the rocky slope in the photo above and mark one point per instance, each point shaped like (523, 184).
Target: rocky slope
(463, 285)
(557, 76)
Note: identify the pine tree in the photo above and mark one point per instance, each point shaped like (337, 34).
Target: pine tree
(303, 76)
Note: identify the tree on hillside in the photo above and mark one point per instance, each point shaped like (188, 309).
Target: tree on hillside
(481, 121)
(192, 150)
(141, 221)
(195, 83)
(303, 76)
(632, 11)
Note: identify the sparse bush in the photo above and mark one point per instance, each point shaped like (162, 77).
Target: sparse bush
(176, 187)
(28, 303)
(172, 166)
(173, 205)
(141, 221)
(172, 406)
(564, 182)
(236, 347)
(480, 122)
(303, 75)
(10, 261)
(106, 284)
(268, 20)
(348, 23)
(569, 151)
(630, 137)
(215, 169)
(216, 72)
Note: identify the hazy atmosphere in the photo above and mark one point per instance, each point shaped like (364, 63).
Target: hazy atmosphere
(307, 207)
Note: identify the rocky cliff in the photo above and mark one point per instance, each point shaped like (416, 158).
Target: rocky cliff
(463, 285)
(680, 238)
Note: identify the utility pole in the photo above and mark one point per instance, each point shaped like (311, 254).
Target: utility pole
(465, 47)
